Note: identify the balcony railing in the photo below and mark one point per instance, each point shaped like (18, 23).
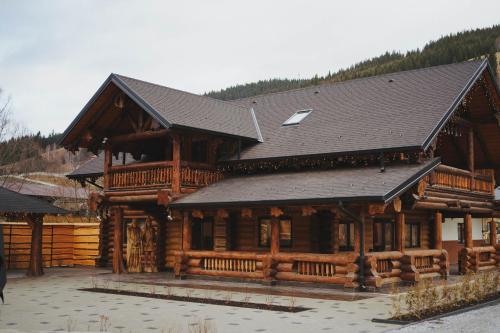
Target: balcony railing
(458, 179)
(160, 174)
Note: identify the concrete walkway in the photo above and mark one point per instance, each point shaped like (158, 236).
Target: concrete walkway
(53, 303)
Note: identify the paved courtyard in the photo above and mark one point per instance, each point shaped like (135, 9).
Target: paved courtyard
(54, 303)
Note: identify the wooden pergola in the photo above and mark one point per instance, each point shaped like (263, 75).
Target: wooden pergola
(32, 210)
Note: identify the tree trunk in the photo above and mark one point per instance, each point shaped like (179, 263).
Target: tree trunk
(36, 262)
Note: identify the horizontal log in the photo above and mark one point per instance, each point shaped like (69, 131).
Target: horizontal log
(443, 206)
(340, 259)
(287, 276)
(138, 136)
(133, 198)
(225, 254)
(233, 274)
(469, 202)
(141, 166)
(284, 267)
(410, 276)
(385, 255)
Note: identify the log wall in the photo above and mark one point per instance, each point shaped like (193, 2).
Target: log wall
(63, 245)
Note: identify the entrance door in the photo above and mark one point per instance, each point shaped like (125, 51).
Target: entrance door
(203, 234)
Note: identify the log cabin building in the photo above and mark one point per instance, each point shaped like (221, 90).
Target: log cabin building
(342, 183)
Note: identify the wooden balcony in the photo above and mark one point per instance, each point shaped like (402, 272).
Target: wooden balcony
(482, 181)
(160, 175)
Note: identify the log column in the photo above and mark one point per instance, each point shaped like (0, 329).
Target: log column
(438, 230)
(176, 163)
(335, 233)
(108, 162)
(186, 232)
(275, 236)
(118, 266)
(400, 232)
(468, 231)
(470, 155)
(36, 261)
(493, 233)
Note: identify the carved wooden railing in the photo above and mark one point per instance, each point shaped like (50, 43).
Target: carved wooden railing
(454, 178)
(326, 268)
(160, 174)
(418, 264)
(478, 259)
(140, 175)
(382, 268)
(248, 265)
(198, 177)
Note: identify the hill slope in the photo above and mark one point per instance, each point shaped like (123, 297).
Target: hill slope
(448, 49)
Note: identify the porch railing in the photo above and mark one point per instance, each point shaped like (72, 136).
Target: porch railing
(382, 267)
(479, 258)
(228, 263)
(450, 177)
(418, 264)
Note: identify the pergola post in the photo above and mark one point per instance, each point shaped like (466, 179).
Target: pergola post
(468, 231)
(438, 230)
(400, 232)
(36, 260)
(118, 266)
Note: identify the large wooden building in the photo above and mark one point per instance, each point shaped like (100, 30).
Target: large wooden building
(344, 183)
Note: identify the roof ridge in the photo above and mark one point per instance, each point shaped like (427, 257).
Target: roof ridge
(359, 78)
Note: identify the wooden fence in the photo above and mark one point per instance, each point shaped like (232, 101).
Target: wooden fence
(63, 244)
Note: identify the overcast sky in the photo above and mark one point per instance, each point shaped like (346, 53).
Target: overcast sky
(55, 54)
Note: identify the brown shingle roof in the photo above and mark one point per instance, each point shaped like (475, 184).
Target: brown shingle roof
(13, 202)
(310, 186)
(401, 110)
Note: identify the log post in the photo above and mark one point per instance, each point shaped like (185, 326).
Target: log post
(176, 163)
(438, 230)
(275, 236)
(36, 261)
(493, 233)
(186, 232)
(470, 156)
(118, 266)
(108, 162)
(400, 232)
(335, 233)
(468, 231)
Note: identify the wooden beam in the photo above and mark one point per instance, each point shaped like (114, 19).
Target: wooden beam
(35, 267)
(400, 232)
(438, 230)
(118, 267)
(335, 233)
(468, 231)
(138, 136)
(246, 212)
(276, 212)
(470, 154)
(186, 232)
(376, 208)
(275, 236)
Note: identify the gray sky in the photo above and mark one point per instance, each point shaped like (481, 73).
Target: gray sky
(55, 54)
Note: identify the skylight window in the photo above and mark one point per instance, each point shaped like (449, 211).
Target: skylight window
(297, 117)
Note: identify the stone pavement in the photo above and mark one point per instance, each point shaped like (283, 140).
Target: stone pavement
(53, 303)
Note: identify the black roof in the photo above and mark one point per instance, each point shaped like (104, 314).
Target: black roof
(397, 111)
(354, 184)
(13, 202)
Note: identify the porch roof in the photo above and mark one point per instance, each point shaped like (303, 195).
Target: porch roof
(13, 202)
(360, 184)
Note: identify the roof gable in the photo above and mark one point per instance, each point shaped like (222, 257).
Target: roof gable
(175, 108)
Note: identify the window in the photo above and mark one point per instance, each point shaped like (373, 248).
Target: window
(383, 235)
(202, 234)
(412, 234)
(346, 236)
(285, 225)
(461, 233)
(297, 117)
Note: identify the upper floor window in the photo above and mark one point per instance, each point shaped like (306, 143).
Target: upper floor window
(297, 117)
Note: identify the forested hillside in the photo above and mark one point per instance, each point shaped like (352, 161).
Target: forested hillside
(448, 49)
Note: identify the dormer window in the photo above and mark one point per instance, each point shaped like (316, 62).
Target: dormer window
(297, 117)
